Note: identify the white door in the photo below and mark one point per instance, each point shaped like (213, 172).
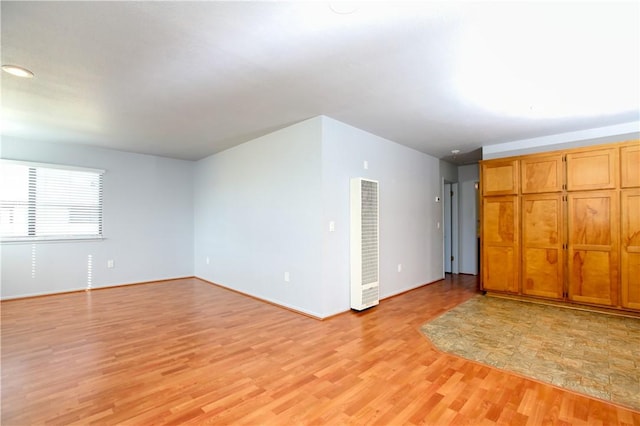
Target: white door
(451, 228)
(455, 221)
(447, 227)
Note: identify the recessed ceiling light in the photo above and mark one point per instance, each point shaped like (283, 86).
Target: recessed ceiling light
(455, 151)
(17, 71)
(344, 7)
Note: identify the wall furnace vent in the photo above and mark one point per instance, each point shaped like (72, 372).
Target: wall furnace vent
(364, 244)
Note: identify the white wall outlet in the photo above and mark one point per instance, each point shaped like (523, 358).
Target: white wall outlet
(286, 277)
(365, 165)
(332, 226)
(111, 264)
(207, 260)
(399, 267)
(437, 199)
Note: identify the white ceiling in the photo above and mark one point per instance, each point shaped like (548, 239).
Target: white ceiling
(189, 79)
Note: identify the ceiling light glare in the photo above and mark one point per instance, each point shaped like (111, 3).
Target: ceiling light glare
(343, 7)
(529, 73)
(17, 71)
(455, 151)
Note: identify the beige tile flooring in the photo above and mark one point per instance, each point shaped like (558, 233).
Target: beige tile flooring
(592, 353)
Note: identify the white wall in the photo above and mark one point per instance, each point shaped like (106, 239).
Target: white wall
(258, 215)
(148, 224)
(409, 182)
(255, 211)
(448, 171)
(264, 207)
(595, 136)
(468, 215)
(470, 172)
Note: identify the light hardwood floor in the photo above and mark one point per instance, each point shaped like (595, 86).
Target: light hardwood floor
(187, 352)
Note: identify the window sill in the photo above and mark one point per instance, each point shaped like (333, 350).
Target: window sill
(40, 240)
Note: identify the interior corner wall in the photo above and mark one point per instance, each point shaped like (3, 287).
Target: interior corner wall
(409, 181)
(467, 219)
(147, 224)
(258, 215)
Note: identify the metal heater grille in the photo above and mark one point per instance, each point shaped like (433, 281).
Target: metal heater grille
(369, 232)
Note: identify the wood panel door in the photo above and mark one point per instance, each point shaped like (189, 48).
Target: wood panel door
(542, 245)
(630, 166)
(541, 174)
(630, 248)
(593, 169)
(593, 247)
(499, 177)
(500, 244)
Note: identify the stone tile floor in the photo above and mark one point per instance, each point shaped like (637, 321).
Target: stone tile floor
(588, 352)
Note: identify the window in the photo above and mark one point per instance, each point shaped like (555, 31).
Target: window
(49, 202)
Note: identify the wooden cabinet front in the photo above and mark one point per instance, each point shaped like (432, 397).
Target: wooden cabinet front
(500, 244)
(593, 247)
(592, 169)
(541, 174)
(630, 166)
(564, 226)
(630, 249)
(500, 177)
(542, 246)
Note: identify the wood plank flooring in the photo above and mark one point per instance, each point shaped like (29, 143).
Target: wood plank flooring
(186, 352)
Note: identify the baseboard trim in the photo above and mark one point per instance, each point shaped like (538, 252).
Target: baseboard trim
(306, 314)
(411, 289)
(288, 308)
(259, 299)
(81, 290)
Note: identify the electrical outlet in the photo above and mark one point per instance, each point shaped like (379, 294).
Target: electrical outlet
(399, 267)
(207, 260)
(332, 226)
(111, 264)
(365, 165)
(286, 277)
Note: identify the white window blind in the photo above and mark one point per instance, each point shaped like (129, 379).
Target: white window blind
(49, 202)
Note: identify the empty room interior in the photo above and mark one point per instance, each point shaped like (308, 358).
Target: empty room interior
(320, 213)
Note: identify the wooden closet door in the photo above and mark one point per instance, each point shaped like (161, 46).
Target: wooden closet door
(541, 174)
(630, 166)
(593, 247)
(630, 248)
(592, 169)
(499, 177)
(500, 254)
(542, 245)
